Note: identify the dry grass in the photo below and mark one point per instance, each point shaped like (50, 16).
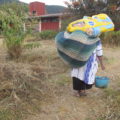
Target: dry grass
(23, 82)
(38, 85)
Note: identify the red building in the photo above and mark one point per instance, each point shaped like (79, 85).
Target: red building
(37, 8)
(46, 21)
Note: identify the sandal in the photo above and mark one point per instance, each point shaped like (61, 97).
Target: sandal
(76, 93)
(82, 93)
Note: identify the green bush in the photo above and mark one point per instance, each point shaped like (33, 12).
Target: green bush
(32, 45)
(111, 38)
(12, 29)
(48, 34)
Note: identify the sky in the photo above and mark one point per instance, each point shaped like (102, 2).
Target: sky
(48, 2)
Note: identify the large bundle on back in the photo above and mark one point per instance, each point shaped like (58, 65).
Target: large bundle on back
(77, 43)
(97, 23)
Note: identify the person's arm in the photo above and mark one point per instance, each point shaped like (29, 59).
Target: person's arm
(100, 58)
(99, 52)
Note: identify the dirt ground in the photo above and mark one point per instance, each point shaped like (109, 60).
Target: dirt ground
(57, 101)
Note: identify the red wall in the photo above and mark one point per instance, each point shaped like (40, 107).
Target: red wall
(49, 26)
(50, 23)
(38, 7)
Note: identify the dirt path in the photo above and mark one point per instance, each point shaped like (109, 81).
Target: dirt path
(62, 105)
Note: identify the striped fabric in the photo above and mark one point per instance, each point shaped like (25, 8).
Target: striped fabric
(75, 48)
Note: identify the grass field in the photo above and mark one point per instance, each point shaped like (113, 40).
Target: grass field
(38, 86)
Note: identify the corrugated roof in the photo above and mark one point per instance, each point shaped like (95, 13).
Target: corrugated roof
(50, 15)
(47, 15)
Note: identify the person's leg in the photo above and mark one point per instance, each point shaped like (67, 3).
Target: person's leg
(84, 88)
(76, 87)
(80, 87)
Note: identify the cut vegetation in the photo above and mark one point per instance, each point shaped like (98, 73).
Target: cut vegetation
(38, 87)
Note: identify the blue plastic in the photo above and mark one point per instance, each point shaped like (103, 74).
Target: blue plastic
(101, 82)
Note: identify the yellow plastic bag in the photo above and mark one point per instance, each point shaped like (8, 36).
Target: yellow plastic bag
(97, 24)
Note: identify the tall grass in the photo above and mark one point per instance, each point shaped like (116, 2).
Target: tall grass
(111, 38)
(48, 34)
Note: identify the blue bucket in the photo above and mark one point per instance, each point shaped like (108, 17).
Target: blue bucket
(101, 82)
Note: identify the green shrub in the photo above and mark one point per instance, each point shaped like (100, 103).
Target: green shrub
(48, 34)
(12, 29)
(32, 45)
(111, 38)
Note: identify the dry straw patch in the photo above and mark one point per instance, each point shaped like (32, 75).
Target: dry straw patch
(39, 84)
(24, 82)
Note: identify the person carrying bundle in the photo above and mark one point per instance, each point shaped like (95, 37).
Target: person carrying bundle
(80, 47)
(84, 77)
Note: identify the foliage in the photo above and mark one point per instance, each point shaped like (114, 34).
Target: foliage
(7, 1)
(32, 45)
(19, 9)
(48, 34)
(12, 28)
(111, 38)
(15, 5)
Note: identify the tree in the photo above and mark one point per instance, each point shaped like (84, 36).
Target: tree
(7, 1)
(12, 18)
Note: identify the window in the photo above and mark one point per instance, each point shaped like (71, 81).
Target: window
(34, 12)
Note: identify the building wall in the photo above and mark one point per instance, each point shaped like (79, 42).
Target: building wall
(46, 22)
(37, 8)
(50, 24)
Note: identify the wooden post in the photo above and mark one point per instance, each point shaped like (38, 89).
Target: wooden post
(40, 22)
(60, 23)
